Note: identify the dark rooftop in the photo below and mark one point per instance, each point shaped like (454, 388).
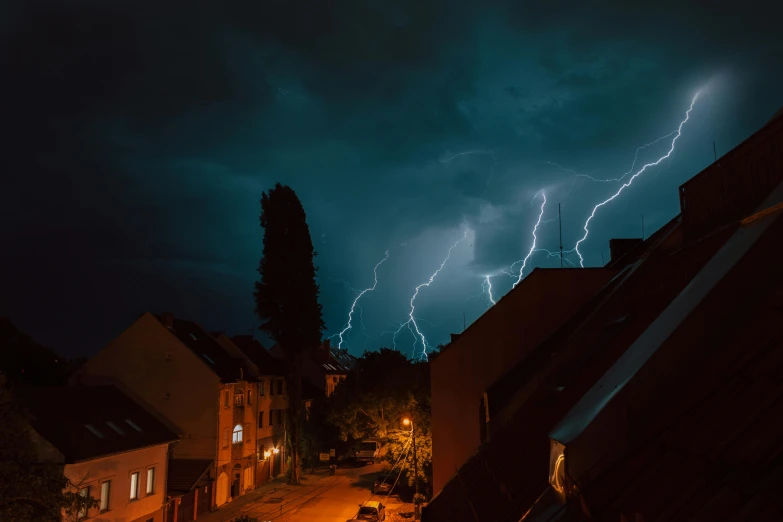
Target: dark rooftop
(201, 343)
(184, 474)
(90, 422)
(260, 356)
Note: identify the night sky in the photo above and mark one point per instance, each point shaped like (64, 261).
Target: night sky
(142, 135)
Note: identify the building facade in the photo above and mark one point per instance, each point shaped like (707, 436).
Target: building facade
(209, 394)
(111, 449)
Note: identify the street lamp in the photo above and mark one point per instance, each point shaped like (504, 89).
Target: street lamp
(409, 422)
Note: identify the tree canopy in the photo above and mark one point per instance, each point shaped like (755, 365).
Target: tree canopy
(286, 297)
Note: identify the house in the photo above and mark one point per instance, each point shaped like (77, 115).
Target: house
(206, 393)
(111, 447)
(321, 369)
(659, 398)
(463, 371)
(271, 402)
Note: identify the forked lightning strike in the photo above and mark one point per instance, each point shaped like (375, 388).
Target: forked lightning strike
(533, 246)
(348, 325)
(411, 322)
(628, 183)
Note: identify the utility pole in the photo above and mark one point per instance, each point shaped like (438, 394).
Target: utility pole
(560, 221)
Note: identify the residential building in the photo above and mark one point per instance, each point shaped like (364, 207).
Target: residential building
(271, 403)
(207, 394)
(498, 340)
(659, 399)
(321, 369)
(110, 447)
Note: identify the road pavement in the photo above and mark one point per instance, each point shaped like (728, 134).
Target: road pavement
(320, 498)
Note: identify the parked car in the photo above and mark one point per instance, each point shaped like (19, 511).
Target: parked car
(383, 484)
(371, 510)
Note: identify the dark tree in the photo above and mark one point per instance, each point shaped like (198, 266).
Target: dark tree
(31, 490)
(287, 297)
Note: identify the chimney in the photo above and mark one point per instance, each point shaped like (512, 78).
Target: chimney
(167, 318)
(620, 247)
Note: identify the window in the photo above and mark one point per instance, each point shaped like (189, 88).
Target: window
(132, 424)
(115, 427)
(84, 492)
(105, 490)
(280, 387)
(134, 486)
(225, 437)
(239, 398)
(260, 419)
(94, 431)
(225, 399)
(237, 434)
(260, 388)
(150, 481)
(271, 417)
(249, 398)
(249, 436)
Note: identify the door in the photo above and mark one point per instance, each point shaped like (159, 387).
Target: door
(222, 489)
(204, 499)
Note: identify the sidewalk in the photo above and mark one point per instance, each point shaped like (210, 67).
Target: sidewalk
(274, 488)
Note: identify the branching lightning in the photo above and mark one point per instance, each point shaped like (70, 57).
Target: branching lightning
(628, 183)
(348, 325)
(489, 289)
(533, 246)
(411, 322)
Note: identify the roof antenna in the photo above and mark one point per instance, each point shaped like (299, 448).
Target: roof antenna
(560, 221)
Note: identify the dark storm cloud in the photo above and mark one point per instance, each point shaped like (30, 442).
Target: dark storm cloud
(143, 134)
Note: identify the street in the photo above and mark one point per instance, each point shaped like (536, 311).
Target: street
(321, 498)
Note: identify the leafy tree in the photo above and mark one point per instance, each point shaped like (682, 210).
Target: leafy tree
(375, 395)
(287, 297)
(31, 490)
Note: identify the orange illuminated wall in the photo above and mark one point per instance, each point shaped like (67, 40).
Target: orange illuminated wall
(492, 345)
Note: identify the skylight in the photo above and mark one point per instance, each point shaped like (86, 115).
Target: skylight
(115, 427)
(94, 431)
(207, 357)
(132, 424)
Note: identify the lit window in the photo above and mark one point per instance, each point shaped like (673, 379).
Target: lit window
(115, 427)
(150, 481)
(84, 492)
(237, 438)
(94, 431)
(134, 486)
(132, 424)
(105, 490)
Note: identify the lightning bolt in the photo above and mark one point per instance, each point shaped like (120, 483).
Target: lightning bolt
(628, 183)
(533, 246)
(489, 289)
(348, 325)
(411, 322)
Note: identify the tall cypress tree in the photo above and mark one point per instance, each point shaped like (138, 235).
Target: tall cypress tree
(287, 296)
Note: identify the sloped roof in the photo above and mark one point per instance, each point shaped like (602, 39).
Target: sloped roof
(716, 445)
(510, 471)
(184, 474)
(201, 343)
(267, 364)
(90, 422)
